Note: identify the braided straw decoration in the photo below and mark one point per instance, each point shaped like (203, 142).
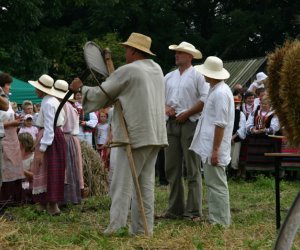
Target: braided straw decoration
(273, 82)
(290, 92)
(284, 88)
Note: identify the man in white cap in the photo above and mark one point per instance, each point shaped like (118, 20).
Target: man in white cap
(186, 91)
(139, 86)
(212, 139)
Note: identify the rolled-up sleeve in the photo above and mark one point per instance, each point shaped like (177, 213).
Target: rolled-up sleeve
(222, 102)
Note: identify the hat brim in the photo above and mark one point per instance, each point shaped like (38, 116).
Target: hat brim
(40, 87)
(195, 53)
(219, 75)
(138, 47)
(49, 91)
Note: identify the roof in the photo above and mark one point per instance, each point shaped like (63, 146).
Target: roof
(241, 71)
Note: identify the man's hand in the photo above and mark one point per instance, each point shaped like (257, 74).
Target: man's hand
(170, 111)
(75, 85)
(181, 118)
(214, 158)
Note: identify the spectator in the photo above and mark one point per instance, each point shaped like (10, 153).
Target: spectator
(260, 94)
(102, 138)
(186, 91)
(248, 104)
(28, 127)
(12, 169)
(238, 134)
(27, 150)
(4, 105)
(27, 107)
(263, 120)
(212, 139)
(258, 82)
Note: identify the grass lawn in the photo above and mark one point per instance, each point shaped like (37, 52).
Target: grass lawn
(81, 226)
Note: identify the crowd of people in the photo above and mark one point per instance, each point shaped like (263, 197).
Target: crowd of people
(190, 116)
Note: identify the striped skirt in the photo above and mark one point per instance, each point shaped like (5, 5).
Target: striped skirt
(52, 170)
(72, 181)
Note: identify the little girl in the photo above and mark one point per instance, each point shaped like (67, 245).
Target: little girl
(102, 132)
(27, 151)
(28, 127)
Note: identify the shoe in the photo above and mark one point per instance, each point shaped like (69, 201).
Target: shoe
(53, 209)
(169, 215)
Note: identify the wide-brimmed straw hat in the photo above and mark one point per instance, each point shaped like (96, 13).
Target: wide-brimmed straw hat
(260, 76)
(44, 84)
(187, 48)
(213, 68)
(61, 88)
(140, 42)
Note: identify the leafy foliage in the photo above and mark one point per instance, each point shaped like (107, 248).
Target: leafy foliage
(39, 36)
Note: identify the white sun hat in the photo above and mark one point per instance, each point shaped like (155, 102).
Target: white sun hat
(260, 76)
(44, 84)
(213, 68)
(187, 48)
(61, 88)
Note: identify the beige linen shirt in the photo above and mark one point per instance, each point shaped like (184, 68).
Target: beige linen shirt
(139, 86)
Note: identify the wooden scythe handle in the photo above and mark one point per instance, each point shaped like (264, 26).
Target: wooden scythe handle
(118, 107)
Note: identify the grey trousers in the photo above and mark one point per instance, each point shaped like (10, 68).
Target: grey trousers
(180, 137)
(217, 194)
(123, 193)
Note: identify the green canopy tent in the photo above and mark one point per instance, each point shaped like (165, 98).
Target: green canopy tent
(21, 91)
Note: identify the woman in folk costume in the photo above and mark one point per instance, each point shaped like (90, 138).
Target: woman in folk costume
(74, 170)
(50, 152)
(12, 168)
(263, 121)
(248, 106)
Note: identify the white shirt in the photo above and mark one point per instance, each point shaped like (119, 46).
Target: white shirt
(242, 126)
(185, 90)
(102, 133)
(218, 111)
(92, 123)
(45, 120)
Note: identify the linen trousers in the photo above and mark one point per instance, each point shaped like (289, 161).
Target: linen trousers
(217, 194)
(235, 154)
(180, 136)
(123, 191)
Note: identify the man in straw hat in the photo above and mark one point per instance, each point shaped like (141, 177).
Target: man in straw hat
(139, 86)
(49, 156)
(212, 139)
(186, 91)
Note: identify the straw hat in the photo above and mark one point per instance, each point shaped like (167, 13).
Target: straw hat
(213, 68)
(44, 84)
(187, 48)
(140, 42)
(61, 87)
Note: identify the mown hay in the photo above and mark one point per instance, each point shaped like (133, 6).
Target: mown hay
(95, 175)
(284, 88)
(290, 92)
